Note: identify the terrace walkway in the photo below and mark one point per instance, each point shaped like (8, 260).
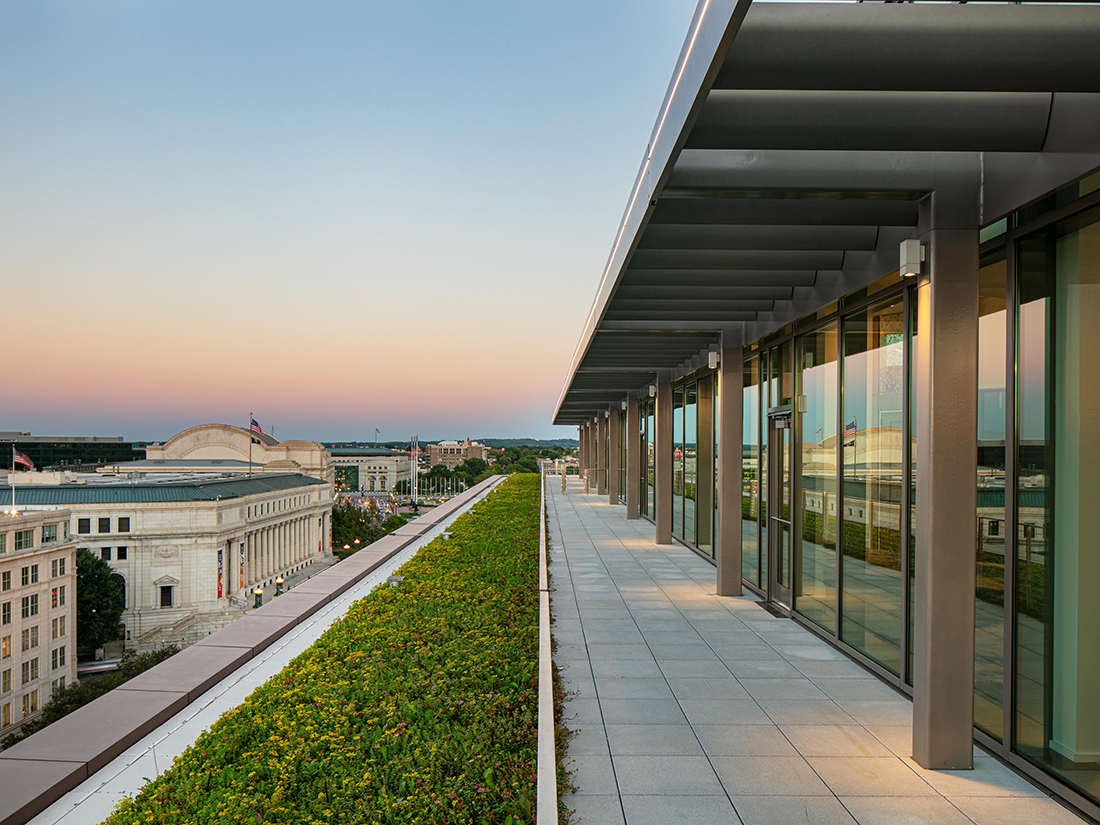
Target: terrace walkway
(695, 708)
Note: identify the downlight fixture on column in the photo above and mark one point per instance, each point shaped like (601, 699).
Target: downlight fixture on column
(624, 405)
(712, 360)
(912, 254)
(652, 390)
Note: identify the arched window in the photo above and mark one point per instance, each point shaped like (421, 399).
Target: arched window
(371, 488)
(383, 479)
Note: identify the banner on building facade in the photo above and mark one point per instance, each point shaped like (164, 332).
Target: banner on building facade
(220, 554)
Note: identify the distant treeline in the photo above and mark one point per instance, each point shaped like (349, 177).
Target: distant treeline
(497, 443)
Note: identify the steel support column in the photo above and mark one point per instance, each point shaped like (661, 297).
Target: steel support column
(633, 456)
(730, 399)
(662, 481)
(613, 457)
(947, 402)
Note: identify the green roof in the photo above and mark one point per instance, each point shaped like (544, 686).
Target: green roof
(144, 492)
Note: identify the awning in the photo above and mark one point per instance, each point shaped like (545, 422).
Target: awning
(792, 153)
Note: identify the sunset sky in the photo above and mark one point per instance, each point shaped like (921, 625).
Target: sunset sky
(338, 216)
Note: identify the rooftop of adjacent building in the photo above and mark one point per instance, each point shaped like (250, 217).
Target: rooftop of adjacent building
(337, 452)
(61, 439)
(97, 488)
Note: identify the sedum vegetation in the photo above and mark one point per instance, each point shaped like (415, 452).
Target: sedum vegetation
(419, 706)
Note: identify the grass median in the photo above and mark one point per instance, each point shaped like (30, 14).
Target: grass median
(419, 706)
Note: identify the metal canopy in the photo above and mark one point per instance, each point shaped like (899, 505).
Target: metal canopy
(791, 153)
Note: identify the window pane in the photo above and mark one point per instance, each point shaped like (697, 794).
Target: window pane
(750, 466)
(678, 461)
(1057, 717)
(872, 443)
(989, 614)
(691, 406)
(816, 595)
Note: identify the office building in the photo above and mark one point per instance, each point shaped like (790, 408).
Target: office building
(190, 548)
(452, 453)
(369, 470)
(843, 347)
(37, 612)
(72, 451)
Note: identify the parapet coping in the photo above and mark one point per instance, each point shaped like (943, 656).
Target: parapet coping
(42, 768)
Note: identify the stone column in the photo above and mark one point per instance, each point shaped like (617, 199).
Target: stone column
(946, 441)
(662, 481)
(633, 458)
(613, 453)
(601, 454)
(730, 401)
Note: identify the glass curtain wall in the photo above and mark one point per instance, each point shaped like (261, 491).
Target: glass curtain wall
(990, 574)
(678, 461)
(689, 449)
(622, 455)
(648, 454)
(1057, 494)
(750, 471)
(873, 450)
(815, 594)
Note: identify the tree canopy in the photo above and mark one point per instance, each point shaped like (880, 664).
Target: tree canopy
(100, 600)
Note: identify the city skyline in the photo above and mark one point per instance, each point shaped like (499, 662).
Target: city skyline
(334, 218)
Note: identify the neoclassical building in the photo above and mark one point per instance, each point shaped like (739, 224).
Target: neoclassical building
(195, 527)
(233, 449)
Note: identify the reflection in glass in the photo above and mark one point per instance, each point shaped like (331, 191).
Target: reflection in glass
(705, 467)
(872, 445)
(783, 386)
(678, 461)
(648, 459)
(782, 519)
(761, 435)
(990, 581)
(750, 466)
(1057, 563)
(691, 406)
(816, 594)
(911, 493)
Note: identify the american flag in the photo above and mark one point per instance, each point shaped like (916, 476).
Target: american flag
(850, 429)
(255, 427)
(20, 458)
(377, 431)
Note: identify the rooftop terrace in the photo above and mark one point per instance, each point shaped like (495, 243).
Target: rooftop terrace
(690, 707)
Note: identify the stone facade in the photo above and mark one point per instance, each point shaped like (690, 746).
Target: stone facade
(370, 471)
(190, 548)
(37, 612)
(224, 442)
(452, 453)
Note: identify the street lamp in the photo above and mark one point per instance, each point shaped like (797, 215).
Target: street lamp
(259, 594)
(278, 586)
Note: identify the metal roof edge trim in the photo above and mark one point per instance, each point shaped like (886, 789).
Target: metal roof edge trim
(714, 27)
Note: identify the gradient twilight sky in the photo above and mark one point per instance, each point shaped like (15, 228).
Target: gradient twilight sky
(336, 215)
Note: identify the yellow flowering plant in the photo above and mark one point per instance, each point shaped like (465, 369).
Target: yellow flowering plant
(418, 706)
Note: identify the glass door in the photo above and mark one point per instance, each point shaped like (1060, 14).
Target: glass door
(779, 508)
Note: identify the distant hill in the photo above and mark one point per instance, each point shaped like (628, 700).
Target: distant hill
(498, 443)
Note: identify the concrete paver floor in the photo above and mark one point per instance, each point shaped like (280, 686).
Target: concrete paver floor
(690, 708)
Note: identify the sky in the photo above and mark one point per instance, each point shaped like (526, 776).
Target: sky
(338, 216)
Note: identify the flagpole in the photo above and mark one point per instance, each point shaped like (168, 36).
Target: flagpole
(250, 444)
(13, 476)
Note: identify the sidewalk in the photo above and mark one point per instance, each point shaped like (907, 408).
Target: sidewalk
(689, 707)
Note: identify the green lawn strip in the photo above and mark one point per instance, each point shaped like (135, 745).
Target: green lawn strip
(420, 705)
